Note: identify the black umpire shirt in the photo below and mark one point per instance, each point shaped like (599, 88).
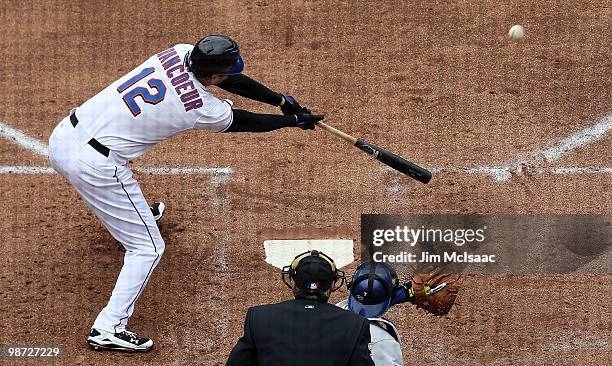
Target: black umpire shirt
(302, 332)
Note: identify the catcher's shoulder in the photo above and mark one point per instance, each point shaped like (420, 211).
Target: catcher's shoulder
(388, 329)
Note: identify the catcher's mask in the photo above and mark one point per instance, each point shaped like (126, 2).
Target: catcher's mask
(313, 273)
(371, 289)
(215, 55)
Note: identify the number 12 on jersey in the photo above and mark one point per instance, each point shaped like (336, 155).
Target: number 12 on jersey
(130, 97)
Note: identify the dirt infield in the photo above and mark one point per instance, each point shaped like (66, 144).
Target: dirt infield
(437, 82)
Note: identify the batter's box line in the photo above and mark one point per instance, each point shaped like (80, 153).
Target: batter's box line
(504, 173)
(219, 173)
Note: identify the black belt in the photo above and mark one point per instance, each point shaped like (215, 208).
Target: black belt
(93, 142)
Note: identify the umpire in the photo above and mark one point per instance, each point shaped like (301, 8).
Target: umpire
(306, 330)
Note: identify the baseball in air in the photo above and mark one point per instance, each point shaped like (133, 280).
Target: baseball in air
(516, 32)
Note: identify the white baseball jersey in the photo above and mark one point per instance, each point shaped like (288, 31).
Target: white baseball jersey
(150, 104)
(385, 347)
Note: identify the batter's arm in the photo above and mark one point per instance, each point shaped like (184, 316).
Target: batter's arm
(244, 86)
(245, 121)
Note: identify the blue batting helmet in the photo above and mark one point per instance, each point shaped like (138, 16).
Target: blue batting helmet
(371, 289)
(216, 54)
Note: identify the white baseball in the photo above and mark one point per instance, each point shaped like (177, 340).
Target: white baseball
(516, 32)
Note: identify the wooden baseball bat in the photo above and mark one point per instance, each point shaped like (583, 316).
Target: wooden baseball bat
(385, 156)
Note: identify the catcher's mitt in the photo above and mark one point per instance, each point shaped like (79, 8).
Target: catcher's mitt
(435, 292)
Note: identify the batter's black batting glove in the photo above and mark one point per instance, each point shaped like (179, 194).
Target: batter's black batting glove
(306, 121)
(291, 106)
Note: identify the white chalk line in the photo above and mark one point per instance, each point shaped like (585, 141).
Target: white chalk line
(26, 170)
(219, 175)
(579, 139)
(25, 141)
(534, 161)
(503, 173)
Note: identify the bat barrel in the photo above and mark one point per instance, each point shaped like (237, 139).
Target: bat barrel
(384, 156)
(395, 161)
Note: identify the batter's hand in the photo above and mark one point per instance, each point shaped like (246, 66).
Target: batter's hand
(292, 106)
(306, 121)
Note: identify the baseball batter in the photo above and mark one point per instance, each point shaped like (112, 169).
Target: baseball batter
(167, 94)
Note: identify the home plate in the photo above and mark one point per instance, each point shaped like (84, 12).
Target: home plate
(280, 253)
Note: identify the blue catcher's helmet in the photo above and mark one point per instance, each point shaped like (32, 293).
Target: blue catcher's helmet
(371, 289)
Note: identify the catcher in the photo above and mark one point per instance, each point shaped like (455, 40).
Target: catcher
(375, 287)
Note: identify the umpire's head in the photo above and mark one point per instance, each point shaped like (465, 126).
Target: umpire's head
(313, 274)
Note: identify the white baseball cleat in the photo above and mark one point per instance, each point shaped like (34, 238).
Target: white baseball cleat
(158, 208)
(123, 341)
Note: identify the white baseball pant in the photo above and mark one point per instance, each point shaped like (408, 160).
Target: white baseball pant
(115, 197)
